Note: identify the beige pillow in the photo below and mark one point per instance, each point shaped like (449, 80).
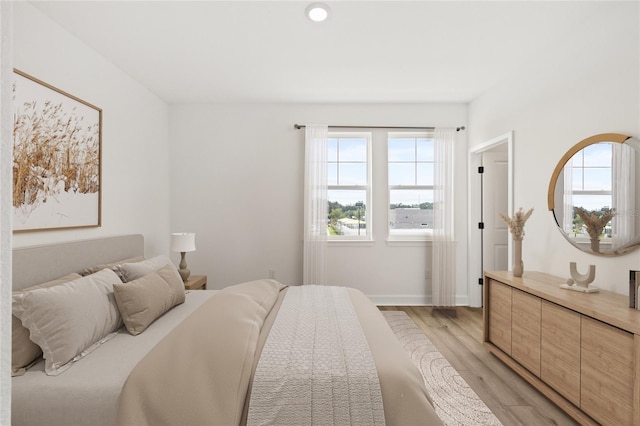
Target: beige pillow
(145, 299)
(23, 350)
(115, 266)
(133, 271)
(70, 320)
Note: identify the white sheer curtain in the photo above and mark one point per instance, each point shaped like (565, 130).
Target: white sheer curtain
(623, 195)
(315, 205)
(567, 197)
(443, 259)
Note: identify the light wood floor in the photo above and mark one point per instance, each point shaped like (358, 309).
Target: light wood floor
(457, 333)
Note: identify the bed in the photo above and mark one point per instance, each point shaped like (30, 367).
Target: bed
(210, 357)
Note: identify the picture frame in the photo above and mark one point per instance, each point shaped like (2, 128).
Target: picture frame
(57, 158)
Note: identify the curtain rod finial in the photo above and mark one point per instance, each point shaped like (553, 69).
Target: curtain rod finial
(460, 128)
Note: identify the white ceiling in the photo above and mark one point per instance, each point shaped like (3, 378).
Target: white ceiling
(367, 51)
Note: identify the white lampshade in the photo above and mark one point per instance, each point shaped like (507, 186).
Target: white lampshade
(183, 242)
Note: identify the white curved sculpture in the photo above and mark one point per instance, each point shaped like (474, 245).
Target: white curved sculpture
(580, 282)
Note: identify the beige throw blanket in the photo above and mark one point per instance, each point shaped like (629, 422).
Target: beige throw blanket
(199, 374)
(316, 366)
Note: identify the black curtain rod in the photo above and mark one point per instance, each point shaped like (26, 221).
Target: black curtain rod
(301, 126)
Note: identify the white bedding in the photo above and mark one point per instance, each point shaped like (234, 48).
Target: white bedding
(94, 383)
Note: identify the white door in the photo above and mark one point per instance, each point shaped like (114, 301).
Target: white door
(495, 201)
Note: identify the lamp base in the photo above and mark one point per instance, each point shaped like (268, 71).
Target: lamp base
(183, 271)
(184, 274)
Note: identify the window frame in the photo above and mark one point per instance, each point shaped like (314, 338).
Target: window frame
(581, 237)
(425, 235)
(368, 188)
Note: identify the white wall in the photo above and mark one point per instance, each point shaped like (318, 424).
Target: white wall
(237, 182)
(235, 173)
(6, 118)
(584, 84)
(135, 162)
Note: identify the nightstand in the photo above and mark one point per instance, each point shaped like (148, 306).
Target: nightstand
(196, 282)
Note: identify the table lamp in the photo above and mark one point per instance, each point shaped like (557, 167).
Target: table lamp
(183, 242)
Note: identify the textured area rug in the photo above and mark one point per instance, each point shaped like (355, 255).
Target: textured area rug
(455, 402)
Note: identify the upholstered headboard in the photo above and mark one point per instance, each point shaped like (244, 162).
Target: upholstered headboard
(37, 264)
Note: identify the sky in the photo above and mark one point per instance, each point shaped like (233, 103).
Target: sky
(410, 163)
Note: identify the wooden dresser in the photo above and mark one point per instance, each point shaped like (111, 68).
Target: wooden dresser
(580, 350)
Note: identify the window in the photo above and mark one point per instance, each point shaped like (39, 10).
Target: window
(410, 174)
(349, 190)
(591, 183)
(591, 176)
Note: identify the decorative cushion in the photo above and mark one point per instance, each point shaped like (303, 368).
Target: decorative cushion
(133, 271)
(70, 320)
(23, 350)
(115, 266)
(145, 299)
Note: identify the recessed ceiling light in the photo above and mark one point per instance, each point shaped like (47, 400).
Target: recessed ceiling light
(317, 12)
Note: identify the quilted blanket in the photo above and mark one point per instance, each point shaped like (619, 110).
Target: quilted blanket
(316, 366)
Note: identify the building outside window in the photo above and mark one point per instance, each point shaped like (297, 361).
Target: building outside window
(349, 186)
(410, 178)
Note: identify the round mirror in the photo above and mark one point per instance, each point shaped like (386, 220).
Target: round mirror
(594, 194)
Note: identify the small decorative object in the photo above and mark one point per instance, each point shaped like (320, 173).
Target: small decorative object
(633, 292)
(634, 289)
(516, 227)
(580, 282)
(182, 243)
(638, 290)
(595, 224)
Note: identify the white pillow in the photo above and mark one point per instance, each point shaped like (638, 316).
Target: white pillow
(70, 320)
(133, 271)
(23, 350)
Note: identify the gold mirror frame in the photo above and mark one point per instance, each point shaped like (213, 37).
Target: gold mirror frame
(603, 137)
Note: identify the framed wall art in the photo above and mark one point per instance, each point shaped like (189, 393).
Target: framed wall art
(57, 147)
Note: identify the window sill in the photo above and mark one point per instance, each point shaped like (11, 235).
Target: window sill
(351, 243)
(397, 242)
(393, 242)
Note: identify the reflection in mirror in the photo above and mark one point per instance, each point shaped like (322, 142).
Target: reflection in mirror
(595, 194)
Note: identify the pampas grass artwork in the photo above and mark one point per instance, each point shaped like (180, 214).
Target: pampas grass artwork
(56, 158)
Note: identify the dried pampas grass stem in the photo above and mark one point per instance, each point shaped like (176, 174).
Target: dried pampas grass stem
(516, 223)
(595, 224)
